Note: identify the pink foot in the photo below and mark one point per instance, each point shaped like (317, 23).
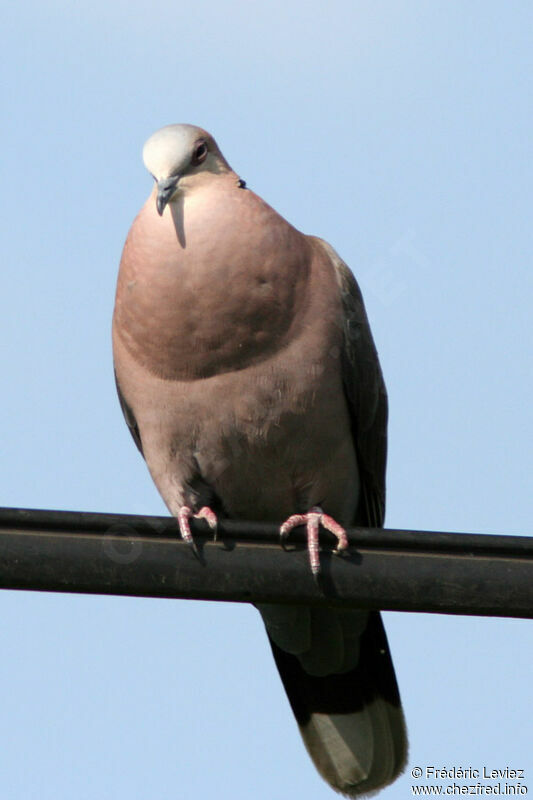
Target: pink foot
(184, 515)
(312, 520)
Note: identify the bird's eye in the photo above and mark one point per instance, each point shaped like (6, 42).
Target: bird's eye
(200, 152)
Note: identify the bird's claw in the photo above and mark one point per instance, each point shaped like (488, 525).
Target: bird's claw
(312, 520)
(185, 514)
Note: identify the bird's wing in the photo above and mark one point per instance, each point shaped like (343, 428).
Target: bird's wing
(129, 417)
(365, 394)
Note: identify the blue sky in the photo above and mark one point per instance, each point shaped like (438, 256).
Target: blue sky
(400, 133)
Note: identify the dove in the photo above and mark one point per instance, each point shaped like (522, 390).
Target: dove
(249, 379)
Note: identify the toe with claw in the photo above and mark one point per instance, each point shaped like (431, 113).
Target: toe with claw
(312, 520)
(186, 513)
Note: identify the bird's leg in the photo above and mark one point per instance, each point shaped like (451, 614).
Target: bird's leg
(312, 520)
(184, 515)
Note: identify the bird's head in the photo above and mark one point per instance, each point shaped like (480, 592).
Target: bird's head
(180, 157)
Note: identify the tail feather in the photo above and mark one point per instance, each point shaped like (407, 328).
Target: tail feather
(351, 722)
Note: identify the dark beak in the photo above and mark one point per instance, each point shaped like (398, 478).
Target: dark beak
(165, 189)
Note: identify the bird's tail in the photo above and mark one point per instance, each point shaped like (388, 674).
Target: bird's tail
(351, 721)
